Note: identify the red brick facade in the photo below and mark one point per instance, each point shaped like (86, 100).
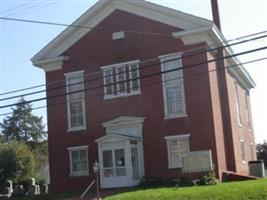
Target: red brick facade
(203, 121)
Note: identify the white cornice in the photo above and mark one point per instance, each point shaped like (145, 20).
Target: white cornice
(123, 120)
(213, 37)
(51, 64)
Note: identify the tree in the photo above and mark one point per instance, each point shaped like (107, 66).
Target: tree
(15, 156)
(23, 125)
(262, 152)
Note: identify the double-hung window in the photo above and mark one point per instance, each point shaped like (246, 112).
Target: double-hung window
(121, 79)
(176, 146)
(237, 99)
(78, 157)
(248, 109)
(173, 86)
(242, 150)
(75, 99)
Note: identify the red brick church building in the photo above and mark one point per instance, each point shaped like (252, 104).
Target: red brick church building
(124, 110)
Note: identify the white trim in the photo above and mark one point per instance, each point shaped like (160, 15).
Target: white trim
(176, 136)
(237, 103)
(119, 64)
(105, 82)
(122, 121)
(114, 68)
(80, 128)
(78, 148)
(164, 58)
(74, 73)
(213, 37)
(124, 79)
(51, 64)
(242, 141)
(138, 80)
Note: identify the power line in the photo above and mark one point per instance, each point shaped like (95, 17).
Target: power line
(141, 77)
(52, 23)
(144, 61)
(81, 27)
(155, 82)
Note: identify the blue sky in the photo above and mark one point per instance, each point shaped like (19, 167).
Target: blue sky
(20, 41)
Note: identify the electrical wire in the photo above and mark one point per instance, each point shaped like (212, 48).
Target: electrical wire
(153, 83)
(143, 67)
(141, 77)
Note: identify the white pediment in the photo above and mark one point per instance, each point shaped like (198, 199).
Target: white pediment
(125, 125)
(102, 9)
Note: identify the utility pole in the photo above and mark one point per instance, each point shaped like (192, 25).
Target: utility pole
(224, 96)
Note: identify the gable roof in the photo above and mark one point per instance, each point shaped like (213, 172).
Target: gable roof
(102, 9)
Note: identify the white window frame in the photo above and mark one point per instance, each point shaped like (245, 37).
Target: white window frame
(105, 82)
(118, 81)
(78, 128)
(248, 109)
(163, 59)
(138, 80)
(114, 67)
(169, 139)
(242, 151)
(78, 148)
(237, 102)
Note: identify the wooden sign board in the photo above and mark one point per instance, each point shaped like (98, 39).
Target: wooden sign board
(197, 161)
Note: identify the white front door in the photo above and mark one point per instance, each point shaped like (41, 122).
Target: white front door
(120, 162)
(114, 173)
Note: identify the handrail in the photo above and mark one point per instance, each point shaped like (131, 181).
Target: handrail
(88, 188)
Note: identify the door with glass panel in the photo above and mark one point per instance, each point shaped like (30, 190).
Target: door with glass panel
(114, 168)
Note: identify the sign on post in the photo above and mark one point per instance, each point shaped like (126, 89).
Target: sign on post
(197, 161)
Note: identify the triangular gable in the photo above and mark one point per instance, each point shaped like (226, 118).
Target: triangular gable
(103, 9)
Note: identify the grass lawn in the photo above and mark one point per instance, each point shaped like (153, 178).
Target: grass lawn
(245, 190)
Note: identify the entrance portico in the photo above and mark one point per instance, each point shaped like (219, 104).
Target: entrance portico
(120, 152)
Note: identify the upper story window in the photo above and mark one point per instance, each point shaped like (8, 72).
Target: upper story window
(121, 79)
(237, 99)
(242, 150)
(248, 109)
(78, 157)
(176, 146)
(75, 101)
(173, 86)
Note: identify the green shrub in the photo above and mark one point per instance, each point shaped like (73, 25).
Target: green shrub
(208, 179)
(185, 182)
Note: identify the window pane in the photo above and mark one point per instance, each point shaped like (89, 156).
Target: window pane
(173, 83)
(76, 114)
(176, 147)
(108, 76)
(79, 161)
(107, 159)
(75, 83)
(119, 157)
(134, 75)
(121, 77)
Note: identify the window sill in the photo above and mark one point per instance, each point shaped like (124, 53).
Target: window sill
(77, 129)
(175, 116)
(79, 174)
(121, 95)
(176, 167)
(240, 125)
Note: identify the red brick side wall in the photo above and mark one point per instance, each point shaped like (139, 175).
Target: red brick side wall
(240, 131)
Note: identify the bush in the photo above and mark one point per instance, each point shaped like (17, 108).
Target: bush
(15, 156)
(209, 179)
(151, 182)
(185, 182)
